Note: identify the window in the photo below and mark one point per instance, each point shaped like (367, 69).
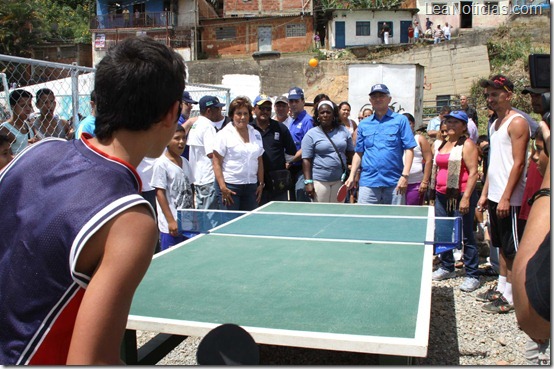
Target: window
(225, 33)
(380, 26)
(363, 28)
(296, 30)
(439, 9)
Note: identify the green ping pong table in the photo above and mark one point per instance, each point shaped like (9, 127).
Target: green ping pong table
(325, 276)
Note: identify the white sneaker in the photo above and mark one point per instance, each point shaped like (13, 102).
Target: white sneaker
(470, 284)
(441, 274)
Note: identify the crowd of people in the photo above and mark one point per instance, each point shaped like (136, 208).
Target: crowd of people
(263, 150)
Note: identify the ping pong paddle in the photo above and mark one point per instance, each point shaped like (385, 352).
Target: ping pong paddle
(341, 195)
(228, 344)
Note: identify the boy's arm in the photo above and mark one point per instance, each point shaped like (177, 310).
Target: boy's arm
(117, 257)
(164, 205)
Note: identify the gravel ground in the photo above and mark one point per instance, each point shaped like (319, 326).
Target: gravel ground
(460, 334)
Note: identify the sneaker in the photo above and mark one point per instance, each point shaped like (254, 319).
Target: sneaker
(441, 274)
(488, 296)
(498, 306)
(470, 284)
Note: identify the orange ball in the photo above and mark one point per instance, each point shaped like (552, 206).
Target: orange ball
(313, 62)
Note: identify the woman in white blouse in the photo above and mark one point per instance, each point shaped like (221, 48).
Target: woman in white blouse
(237, 160)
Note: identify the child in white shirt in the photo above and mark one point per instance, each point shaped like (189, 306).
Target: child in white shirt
(172, 178)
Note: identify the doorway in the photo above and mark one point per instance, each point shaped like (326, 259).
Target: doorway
(466, 14)
(340, 38)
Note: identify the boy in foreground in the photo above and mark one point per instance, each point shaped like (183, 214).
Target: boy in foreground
(77, 237)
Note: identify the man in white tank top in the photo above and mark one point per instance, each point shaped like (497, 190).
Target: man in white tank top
(503, 188)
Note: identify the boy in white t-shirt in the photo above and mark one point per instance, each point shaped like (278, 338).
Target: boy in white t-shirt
(172, 178)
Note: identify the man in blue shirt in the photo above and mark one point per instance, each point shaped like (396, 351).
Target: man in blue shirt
(300, 125)
(383, 139)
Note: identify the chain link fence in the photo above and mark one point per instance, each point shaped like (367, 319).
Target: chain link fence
(67, 100)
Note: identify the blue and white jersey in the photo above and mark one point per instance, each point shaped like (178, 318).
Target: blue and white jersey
(55, 195)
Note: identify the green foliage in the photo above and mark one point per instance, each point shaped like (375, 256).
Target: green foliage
(20, 27)
(67, 20)
(24, 24)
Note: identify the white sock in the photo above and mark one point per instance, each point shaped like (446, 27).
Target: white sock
(501, 284)
(508, 293)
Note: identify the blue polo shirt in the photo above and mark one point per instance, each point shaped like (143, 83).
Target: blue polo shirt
(298, 128)
(382, 144)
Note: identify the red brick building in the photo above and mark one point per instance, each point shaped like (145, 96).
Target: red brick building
(250, 26)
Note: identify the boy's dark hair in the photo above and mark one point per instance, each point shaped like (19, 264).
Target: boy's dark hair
(539, 136)
(136, 84)
(180, 128)
(410, 117)
(445, 110)
(4, 139)
(482, 138)
(16, 95)
(93, 96)
(43, 91)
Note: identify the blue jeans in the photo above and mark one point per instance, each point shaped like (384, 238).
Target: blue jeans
(471, 251)
(243, 199)
(380, 195)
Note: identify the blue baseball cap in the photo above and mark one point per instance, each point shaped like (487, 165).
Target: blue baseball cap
(188, 99)
(458, 114)
(210, 102)
(296, 93)
(379, 88)
(260, 99)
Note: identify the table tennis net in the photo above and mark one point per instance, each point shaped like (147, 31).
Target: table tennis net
(447, 231)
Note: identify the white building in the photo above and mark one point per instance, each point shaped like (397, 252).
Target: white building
(349, 28)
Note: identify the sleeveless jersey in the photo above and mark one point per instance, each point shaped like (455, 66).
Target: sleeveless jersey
(501, 163)
(45, 222)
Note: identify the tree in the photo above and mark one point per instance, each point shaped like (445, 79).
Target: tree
(20, 27)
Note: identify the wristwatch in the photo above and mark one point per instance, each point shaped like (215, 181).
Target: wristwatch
(405, 176)
(308, 181)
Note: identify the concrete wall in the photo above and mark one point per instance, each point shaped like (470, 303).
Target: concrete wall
(450, 68)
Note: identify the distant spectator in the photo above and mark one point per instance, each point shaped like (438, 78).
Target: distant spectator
(434, 124)
(17, 128)
(411, 34)
(447, 29)
(48, 123)
(438, 34)
(469, 109)
(428, 24)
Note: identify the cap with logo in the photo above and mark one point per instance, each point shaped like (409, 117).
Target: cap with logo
(260, 99)
(498, 81)
(210, 102)
(188, 99)
(296, 93)
(379, 88)
(458, 114)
